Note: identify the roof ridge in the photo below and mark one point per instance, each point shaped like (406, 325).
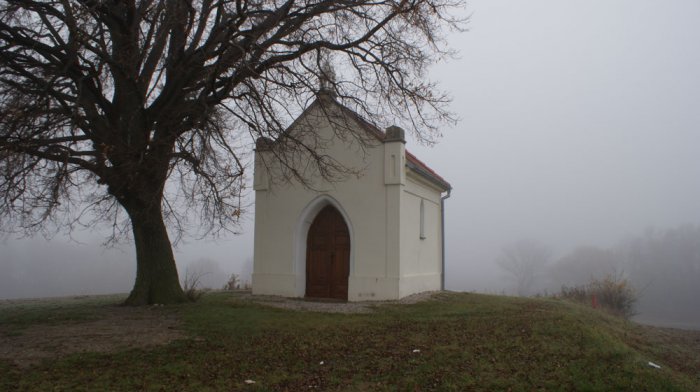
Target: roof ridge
(379, 134)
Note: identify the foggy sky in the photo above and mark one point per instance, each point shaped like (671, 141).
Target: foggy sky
(580, 125)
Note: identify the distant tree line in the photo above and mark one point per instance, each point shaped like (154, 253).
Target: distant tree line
(663, 267)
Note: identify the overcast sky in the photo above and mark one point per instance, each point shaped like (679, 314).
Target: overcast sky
(580, 125)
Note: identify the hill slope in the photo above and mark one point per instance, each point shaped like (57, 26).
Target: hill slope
(452, 342)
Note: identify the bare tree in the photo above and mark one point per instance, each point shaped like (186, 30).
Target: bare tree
(140, 109)
(524, 261)
(585, 264)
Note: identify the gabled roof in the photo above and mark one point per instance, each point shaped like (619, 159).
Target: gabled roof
(412, 162)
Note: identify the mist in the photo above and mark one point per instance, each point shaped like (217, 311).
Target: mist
(78, 264)
(580, 127)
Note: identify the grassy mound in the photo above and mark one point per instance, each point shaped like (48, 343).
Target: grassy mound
(454, 342)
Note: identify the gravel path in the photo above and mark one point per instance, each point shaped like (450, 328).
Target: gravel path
(329, 306)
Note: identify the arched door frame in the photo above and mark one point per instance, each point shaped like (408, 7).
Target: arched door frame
(302, 230)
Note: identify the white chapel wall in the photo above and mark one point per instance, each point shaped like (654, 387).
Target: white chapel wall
(421, 258)
(278, 211)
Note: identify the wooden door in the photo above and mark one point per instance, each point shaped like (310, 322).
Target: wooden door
(328, 256)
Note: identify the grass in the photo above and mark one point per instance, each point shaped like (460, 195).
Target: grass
(18, 315)
(456, 342)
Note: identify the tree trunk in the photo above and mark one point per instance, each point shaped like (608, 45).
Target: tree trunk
(157, 280)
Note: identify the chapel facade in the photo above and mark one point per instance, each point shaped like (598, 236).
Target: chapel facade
(375, 235)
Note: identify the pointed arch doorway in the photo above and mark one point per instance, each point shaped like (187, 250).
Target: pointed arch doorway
(328, 256)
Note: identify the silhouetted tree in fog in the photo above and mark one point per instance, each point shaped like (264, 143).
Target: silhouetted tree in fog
(524, 261)
(584, 264)
(103, 102)
(666, 267)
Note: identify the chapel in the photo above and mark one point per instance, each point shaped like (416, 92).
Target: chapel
(376, 234)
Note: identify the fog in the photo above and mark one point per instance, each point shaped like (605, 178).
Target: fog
(580, 126)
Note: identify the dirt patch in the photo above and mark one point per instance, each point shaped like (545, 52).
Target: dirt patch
(119, 328)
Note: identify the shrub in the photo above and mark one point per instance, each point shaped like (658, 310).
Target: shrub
(190, 285)
(613, 293)
(233, 283)
(576, 293)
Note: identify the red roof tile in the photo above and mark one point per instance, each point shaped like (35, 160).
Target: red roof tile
(412, 158)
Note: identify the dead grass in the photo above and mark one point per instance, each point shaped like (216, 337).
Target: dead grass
(34, 330)
(449, 342)
(677, 348)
